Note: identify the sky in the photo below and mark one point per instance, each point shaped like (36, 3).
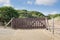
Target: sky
(44, 6)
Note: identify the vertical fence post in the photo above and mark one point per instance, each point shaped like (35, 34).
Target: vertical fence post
(53, 25)
(11, 22)
(46, 23)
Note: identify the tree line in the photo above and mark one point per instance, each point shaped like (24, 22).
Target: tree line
(6, 13)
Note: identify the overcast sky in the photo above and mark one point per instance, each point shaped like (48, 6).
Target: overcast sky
(44, 6)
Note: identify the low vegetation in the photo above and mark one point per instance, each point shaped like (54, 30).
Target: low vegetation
(53, 16)
(6, 13)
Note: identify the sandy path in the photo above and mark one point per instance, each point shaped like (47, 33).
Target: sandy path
(34, 34)
(31, 35)
(6, 34)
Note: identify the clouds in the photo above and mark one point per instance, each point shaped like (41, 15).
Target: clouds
(53, 12)
(36, 2)
(5, 2)
(43, 2)
(29, 2)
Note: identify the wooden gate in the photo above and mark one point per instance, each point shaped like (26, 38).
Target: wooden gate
(29, 23)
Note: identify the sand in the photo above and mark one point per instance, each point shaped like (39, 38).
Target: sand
(27, 34)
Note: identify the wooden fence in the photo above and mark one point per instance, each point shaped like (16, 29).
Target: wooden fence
(28, 23)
